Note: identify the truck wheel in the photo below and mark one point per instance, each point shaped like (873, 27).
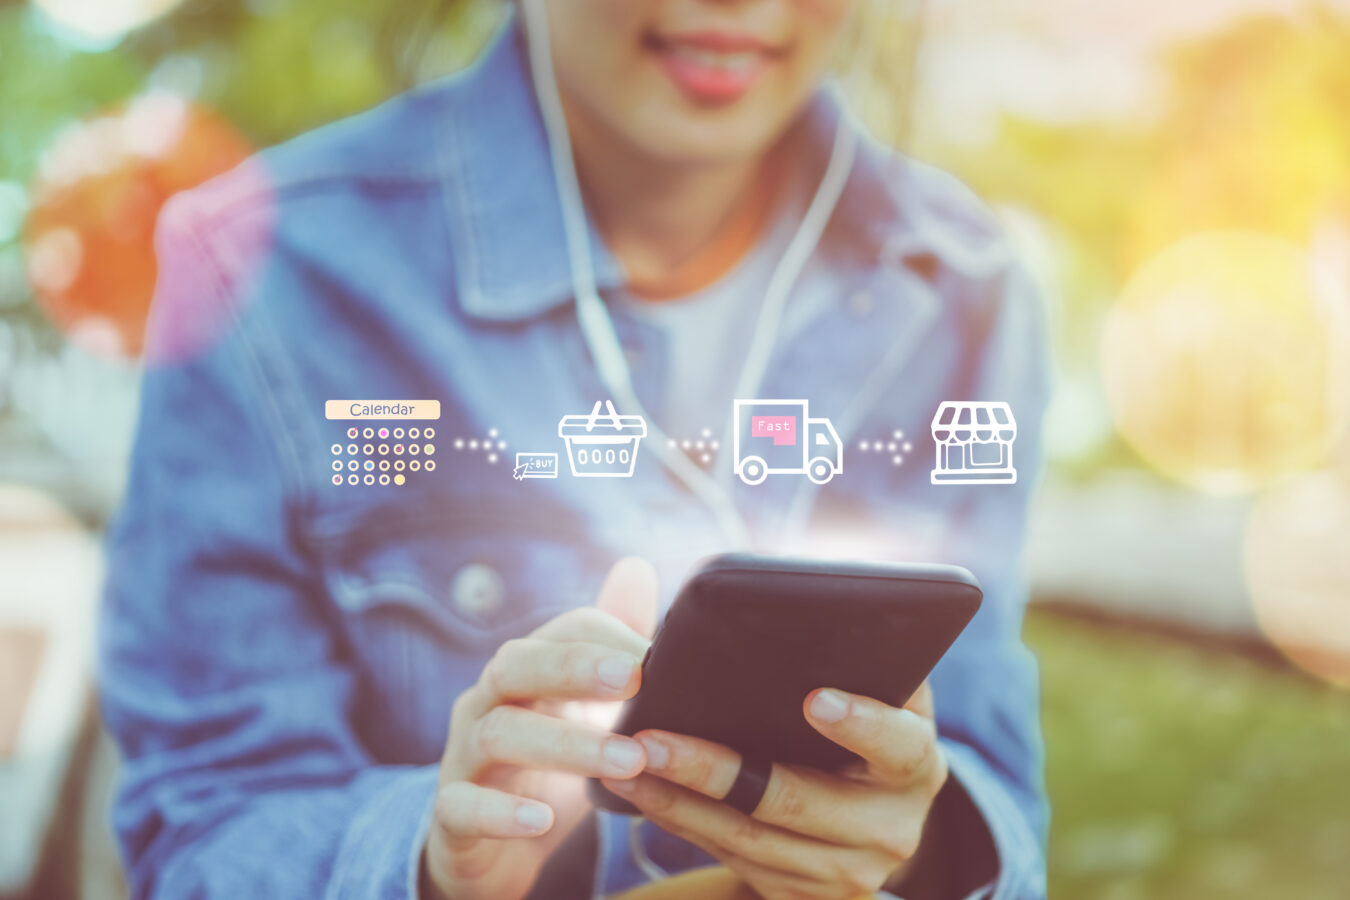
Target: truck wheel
(820, 470)
(754, 470)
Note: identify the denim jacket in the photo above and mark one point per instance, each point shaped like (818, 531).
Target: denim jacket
(279, 654)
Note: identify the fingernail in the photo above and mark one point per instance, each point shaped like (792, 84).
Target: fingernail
(625, 786)
(622, 755)
(829, 706)
(532, 817)
(615, 671)
(658, 754)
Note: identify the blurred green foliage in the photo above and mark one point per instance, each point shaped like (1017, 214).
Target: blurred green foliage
(273, 68)
(1184, 772)
(1250, 132)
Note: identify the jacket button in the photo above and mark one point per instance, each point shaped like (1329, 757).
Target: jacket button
(477, 590)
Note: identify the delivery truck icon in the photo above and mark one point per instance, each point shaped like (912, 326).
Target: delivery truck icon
(778, 437)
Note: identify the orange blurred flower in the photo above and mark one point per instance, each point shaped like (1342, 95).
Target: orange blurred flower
(101, 184)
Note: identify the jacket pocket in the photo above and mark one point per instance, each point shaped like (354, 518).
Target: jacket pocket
(461, 580)
(423, 605)
(469, 590)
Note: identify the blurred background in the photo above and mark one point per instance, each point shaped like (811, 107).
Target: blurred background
(1178, 175)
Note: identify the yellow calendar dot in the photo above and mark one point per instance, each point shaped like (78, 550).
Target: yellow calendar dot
(399, 479)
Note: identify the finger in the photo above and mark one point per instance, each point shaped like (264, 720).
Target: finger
(672, 806)
(899, 745)
(466, 811)
(806, 801)
(630, 593)
(703, 766)
(513, 735)
(593, 626)
(921, 701)
(533, 669)
(764, 879)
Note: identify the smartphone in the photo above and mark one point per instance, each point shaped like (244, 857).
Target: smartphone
(748, 637)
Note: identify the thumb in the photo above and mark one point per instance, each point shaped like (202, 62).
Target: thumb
(629, 594)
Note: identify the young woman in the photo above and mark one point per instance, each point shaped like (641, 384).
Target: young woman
(655, 202)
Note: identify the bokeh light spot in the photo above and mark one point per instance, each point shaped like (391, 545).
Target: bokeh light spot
(1225, 367)
(1298, 571)
(99, 24)
(54, 260)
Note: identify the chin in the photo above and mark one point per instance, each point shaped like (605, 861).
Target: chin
(699, 137)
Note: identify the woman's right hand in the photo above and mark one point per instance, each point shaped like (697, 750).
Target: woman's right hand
(512, 779)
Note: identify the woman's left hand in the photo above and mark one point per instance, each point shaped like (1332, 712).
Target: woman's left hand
(814, 834)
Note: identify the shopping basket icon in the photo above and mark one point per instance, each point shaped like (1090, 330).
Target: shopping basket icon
(602, 444)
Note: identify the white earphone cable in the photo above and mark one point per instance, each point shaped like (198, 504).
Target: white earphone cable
(597, 328)
(794, 260)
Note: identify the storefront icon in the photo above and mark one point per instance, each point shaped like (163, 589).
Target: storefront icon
(974, 442)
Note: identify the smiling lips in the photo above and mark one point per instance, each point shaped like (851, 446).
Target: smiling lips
(712, 67)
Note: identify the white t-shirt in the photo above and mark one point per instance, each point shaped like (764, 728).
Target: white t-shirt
(708, 333)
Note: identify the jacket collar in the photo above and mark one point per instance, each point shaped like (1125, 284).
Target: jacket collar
(505, 218)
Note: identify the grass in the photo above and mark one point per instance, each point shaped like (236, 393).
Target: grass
(1183, 772)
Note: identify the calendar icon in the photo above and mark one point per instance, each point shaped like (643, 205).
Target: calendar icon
(382, 443)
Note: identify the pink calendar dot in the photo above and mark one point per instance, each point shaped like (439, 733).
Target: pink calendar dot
(384, 433)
